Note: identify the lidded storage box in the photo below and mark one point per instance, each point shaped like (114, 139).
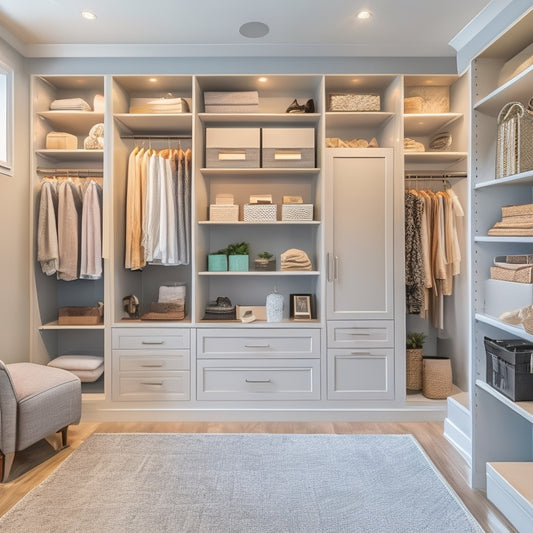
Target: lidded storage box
(59, 140)
(354, 102)
(288, 147)
(231, 102)
(425, 99)
(232, 147)
(510, 368)
(260, 212)
(297, 212)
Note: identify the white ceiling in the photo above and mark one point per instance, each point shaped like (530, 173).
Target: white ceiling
(399, 28)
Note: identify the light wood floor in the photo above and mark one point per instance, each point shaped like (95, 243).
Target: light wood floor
(26, 474)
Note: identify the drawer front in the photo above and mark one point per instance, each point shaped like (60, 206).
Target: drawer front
(155, 387)
(256, 379)
(361, 333)
(127, 361)
(361, 374)
(229, 343)
(151, 338)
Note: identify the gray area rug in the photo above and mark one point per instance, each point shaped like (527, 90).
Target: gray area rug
(224, 483)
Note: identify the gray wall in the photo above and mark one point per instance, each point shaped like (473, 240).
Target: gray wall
(14, 224)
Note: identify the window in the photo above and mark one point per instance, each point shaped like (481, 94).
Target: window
(6, 120)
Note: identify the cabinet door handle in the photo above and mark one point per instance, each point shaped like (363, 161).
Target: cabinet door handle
(361, 353)
(258, 380)
(257, 345)
(153, 383)
(329, 268)
(153, 342)
(153, 365)
(336, 268)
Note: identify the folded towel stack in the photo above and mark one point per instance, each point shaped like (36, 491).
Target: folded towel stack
(95, 140)
(410, 145)
(158, 105)
(516, 220)
(70, 104)
(171, 304)
(294, 259)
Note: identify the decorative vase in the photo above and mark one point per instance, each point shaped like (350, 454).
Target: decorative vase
(265, 264)
(413, 364)
(274, 307)
(217, 262)
(436, 377)
(238, 263)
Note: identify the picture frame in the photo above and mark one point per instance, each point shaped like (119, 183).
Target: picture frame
(301, 306)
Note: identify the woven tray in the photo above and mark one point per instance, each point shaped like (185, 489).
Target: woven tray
(81, 316)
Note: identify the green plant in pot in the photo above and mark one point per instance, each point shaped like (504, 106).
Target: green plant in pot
(414, 343)
(238, 256)
(265, 261)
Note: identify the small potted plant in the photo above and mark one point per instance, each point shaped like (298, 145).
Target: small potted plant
(265, 261)
(238, 256)
(217, 262)
(414, 343)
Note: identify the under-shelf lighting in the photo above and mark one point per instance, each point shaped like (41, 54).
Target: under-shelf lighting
(152, 80)
(364, 14)
(262, 79)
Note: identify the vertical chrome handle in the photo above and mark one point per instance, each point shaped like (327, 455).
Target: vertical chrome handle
(336, 268)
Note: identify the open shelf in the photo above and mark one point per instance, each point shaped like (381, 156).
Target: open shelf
(55, 325)
(524, 409)
(261, 273)
(423, 124)
(264, 118)
(71, 155)
(74, 122)
(367, 119)
(133, 123)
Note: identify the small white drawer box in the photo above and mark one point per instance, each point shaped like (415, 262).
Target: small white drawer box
(232, 147)
(223, 213)
(231, 102)
(260, 212)
(502, 296)
(297, 212)
(288, 147)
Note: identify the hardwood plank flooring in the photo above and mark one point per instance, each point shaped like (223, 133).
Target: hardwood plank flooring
(32, 466)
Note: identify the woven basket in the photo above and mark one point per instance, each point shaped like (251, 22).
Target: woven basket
(514, 147)
(413, 363)
(436, 377)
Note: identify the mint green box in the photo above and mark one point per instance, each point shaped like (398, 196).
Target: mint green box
(238, 263)
(217, 262)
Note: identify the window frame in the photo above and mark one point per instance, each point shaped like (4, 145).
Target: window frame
(7, 129)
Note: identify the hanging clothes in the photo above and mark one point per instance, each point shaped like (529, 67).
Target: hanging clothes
(158, 195)
(47, 244)
(414, 266)
(91, 233)
(68, 229)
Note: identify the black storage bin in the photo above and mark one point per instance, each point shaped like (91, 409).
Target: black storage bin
(510, 368)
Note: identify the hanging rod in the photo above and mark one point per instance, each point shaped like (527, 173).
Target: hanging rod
(435, 175)
(159, 136)
(72, 171)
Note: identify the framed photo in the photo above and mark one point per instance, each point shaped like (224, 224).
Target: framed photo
(301, 306)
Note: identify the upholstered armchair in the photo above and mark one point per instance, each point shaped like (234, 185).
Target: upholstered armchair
(35, 401)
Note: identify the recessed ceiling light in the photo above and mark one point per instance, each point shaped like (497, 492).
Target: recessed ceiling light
(89, 15)
(152, 80)
(262, 79)
(254, 29)
(364, 14)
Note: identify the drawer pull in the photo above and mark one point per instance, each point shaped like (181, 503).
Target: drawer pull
(361, 353)
(153, 365)
(360, 334)
(153, 383)
(153, 342)
(258, 380)
(257, 345)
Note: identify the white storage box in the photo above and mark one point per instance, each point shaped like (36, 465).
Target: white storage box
(231, 102)
(232, 147)
(297, 212)
(288, 147)
(503, 296)
(59, 140)
(260, 212)
(159, 105)
(223, 213)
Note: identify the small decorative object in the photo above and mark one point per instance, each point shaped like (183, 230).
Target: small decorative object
(274, 307)
(295, 107)
(436, 377)
(265, 261)
(221, 309)
(301, 306)
(414, 343)
(440, 142)
(130, 304)
(217, 262)
(294, 259)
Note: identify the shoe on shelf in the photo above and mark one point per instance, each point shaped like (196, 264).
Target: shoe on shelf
(309, 106)
(295, 107)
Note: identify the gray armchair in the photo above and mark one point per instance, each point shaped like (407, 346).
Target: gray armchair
(35, 401)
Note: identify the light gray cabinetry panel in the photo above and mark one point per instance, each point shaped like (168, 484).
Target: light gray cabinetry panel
(363, 333)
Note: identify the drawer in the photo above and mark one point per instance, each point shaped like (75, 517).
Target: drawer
(151, 338)
(361, 333)
(156, 386)
(124, 361)
(224, 343)
(361, 374)
(258, 379)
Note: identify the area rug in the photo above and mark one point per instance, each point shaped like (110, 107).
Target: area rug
(246, 483)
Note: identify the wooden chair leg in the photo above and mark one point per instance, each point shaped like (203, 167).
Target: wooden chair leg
(63, 436)
(6, 462)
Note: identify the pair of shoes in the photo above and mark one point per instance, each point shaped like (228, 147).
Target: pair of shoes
(522, 316)
(295, 107)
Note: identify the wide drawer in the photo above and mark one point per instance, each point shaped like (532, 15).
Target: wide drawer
(150, 338)
(361, 333)
(224, 343)
(124, 361)
(258, 379)
(361, 374)
(155, 387)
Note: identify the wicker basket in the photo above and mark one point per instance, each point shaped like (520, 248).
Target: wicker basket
(514, 147)
(436, 377)
(413, 365)
(354, 102)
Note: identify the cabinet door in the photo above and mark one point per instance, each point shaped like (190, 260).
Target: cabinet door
(359, 233)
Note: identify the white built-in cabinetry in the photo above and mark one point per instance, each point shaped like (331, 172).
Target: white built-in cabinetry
(350, 356)
(502, 429)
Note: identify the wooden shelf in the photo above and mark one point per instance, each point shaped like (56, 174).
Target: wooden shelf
(133, 123)
(71, 155)
(74, 122)
(263, 118)
(524, 409)
(262, 273)
(504, 239)
(434, 157)
(524, 178)
(55, 325)
(424, 124)
(366, 119)
(273, 223)
(257, 171)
